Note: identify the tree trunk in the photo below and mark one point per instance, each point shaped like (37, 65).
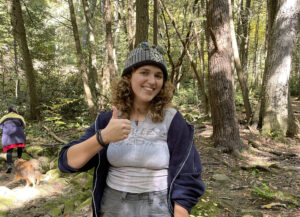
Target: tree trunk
(16, 68)
(130, 25)
(118, 22)
(225, 128)
(239, 15)
(142, 21)
(109, 69)
(93, 78)
(254, 64)
(239, 69)
(155, 22)
(245, 39)
(275, 110)
(14, 8)
(3, 75)
(80, 61)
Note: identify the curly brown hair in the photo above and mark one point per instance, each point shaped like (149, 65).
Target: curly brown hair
(122, 97)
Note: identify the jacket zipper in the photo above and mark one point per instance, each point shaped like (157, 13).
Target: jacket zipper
(172, 182)
(93, 194)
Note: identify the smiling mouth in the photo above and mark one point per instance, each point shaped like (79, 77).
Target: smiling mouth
(148, 89)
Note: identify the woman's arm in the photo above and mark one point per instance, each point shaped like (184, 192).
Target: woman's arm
(78, 155)
(117, 129)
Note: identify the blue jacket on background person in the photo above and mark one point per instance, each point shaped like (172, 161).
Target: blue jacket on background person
(12, 125)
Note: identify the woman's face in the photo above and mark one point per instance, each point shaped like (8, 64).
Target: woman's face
(146, 82)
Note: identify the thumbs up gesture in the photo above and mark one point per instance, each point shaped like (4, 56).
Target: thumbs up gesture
(117, 129)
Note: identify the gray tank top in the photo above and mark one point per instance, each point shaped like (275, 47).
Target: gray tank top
(140, 162)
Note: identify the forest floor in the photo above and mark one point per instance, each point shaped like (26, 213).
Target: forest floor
(264, 182)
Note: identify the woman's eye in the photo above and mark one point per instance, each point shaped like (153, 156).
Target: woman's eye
(159, 76)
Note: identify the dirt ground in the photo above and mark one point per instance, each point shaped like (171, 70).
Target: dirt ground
(264, 182)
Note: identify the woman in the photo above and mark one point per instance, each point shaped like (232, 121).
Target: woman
(145, 161)
(13, 135)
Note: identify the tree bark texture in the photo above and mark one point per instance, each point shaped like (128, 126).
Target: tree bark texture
(142, 21)
(245, 39)
(225, 127)
(80, 61)
(275, 113)
(15, 10)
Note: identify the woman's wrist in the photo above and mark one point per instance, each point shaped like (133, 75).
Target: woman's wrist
(179, 211)
(100, 140)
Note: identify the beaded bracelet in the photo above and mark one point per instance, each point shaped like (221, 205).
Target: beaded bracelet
(99, 139)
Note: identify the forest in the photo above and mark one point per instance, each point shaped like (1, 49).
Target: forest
(235, 67)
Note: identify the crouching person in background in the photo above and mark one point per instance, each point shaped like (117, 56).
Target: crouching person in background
(13, 136)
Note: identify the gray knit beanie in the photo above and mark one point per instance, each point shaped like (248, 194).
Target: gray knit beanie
(146, 55)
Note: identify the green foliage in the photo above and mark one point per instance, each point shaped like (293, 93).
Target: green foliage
(60, 112)
(185, 100)
(266, 193)
(205, 207)
(276, 134)
(184, 96)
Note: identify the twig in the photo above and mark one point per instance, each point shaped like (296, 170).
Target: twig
(54, 136)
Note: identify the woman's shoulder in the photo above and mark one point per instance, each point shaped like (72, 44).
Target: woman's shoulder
(173, 113)
(11, 116)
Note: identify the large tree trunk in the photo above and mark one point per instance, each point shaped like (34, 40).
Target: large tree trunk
(225, 128)
(80, 61)
(142, 21)
(239, 69)
(14, 8)
(275, 110)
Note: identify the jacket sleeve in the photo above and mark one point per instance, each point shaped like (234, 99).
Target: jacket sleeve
(101, 122)
(185, 165)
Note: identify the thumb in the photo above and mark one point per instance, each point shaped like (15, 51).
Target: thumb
(115, 112)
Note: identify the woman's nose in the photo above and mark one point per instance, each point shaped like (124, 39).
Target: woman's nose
(151, 79)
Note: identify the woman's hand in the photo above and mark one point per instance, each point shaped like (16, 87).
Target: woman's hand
(179, 211)
(117, 129)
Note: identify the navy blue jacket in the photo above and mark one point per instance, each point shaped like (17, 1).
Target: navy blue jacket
(184, 175)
